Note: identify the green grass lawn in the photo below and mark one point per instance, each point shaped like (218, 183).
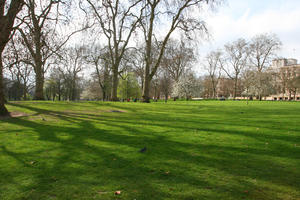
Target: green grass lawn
(195, 150)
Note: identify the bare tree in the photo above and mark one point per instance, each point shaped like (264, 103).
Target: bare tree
(188, 86)
(178, 59)
(213, 64)
(98, 57)
(35, 35)
(166, 84)
(236, 54)
(40, 36)
(55, 83)
(118, 21)
(248, 79)
(139, 65)
(263, 48)
(16, 59)
(287, 77)
(177, 17)
(8, 14)
(73, 65)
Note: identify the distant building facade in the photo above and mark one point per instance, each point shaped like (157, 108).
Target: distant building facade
(285, 76)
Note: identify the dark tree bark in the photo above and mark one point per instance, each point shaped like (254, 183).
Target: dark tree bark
(7, 19)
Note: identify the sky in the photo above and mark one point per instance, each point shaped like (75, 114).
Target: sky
(246, 18)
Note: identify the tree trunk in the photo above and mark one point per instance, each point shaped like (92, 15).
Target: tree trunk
(73, 91)
(114, 95)
(6, 25)
(59, 92)
(146, 88)
(25, 92)
(39, 85)
(3, 110)
(235, 87)
(103, 94)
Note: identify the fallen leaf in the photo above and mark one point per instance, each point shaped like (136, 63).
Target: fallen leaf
(32, 162)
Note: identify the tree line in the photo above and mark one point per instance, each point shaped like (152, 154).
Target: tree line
(135, 49)
(244, 68)
(34, 33)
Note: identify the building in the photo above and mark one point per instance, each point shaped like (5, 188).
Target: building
(286, 79)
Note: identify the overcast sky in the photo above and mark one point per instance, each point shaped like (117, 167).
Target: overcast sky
(246, 18)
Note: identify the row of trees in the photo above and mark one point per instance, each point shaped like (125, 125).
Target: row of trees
(229, 74)
(39, 30)
(245, 63)
(125, 49)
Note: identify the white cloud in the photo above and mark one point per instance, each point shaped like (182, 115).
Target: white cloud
(281, 19)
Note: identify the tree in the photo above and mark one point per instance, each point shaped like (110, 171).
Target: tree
(54, 84)
(187, 86)
(263, 48)
(288, 79)
(176, 16)
(129, 87)
(99, 58)
(15, 59)
(166, 85)
(178, 59)
(92, 90)
(118, 21)
(236, 54)
(248, 82)
(213, 64)
(35, 34)
(8, 14)
(138, 63)
(73, 65)
(41, 38)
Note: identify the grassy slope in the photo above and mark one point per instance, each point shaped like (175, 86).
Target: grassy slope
(195, 150)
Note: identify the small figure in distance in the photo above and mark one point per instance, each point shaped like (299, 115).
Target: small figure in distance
(143, 150)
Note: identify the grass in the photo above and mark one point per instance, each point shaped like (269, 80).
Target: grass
(195, 150)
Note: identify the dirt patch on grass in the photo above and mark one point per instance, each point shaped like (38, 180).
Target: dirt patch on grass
(116, 111)
(13, 115)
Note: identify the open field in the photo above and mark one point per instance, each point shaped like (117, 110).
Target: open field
(195, 150)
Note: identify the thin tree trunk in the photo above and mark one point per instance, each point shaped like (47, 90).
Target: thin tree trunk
(114, 93)
(235, 88)
(59, 92)
(146, 88)
(25, 92)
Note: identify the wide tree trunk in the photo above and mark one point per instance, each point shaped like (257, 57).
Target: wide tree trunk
(114, 93)
(3, 110)
(39, 85)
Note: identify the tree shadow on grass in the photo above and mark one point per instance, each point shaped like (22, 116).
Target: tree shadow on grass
(95, 160)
